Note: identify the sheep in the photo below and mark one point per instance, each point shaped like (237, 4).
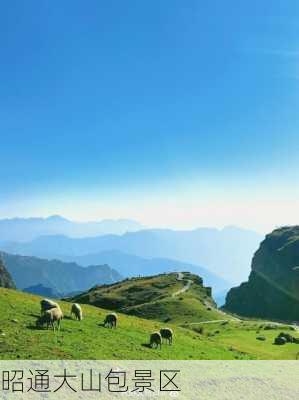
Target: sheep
(111, 320)
(47, 304)
(156, 339)
(77, 311)
(167, 334)
(50, 317)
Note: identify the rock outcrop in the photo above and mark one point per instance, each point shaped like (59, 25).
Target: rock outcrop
(272, 290)
(5, 278)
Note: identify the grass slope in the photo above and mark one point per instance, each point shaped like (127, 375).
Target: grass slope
(242, 337)
(89, 340)
(19, 339)
(157, 297)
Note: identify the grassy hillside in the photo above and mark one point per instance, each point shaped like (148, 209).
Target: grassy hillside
(161, 297)
(244, 337)
(88, 339)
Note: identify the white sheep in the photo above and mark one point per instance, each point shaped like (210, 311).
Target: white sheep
(77, 311)
(47, 304)
(49, 317)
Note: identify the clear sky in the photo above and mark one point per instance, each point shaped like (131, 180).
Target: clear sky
(175, 113)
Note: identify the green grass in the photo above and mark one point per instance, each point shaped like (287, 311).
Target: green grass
(152, 298)
(88, 340)
(242, 336)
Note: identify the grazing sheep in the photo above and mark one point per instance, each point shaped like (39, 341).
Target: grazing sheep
(111, 320)
(156, 339)
(47, 304)
(77, 311)
(49, 317)
(167, 334)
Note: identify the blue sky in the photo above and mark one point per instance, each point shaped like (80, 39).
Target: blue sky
(176, 113)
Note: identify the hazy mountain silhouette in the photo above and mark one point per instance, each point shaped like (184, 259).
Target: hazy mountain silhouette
(24, 229)
(131, 266)
(226, 252)
(60, 277)
(41, 290)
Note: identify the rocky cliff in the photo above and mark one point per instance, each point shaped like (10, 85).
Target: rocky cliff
(5, 278)
(272, 290)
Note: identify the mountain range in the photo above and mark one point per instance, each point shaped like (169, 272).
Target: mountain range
(24, 229)
(226, 252)
(130, 266)
(60, 277)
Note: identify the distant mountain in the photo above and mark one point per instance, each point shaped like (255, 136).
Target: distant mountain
(60, 277)
(226, 252)
(25, 229)
(6, 280)
(41, 290)
(272, 290)
(130, 266)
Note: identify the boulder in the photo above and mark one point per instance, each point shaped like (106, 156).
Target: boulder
(289, 338)
(280, 340)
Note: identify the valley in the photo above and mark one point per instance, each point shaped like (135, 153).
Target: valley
(249, 326)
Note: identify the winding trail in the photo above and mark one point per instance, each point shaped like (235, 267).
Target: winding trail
(213, 321)
(189, 282)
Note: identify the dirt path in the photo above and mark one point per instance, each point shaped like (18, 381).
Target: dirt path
(211, 322)
(180, 277)
(189, 282)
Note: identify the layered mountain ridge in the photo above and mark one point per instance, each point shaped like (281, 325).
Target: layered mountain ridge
(231, 261)
(61, 277)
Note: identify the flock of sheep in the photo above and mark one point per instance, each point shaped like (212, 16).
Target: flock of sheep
(51, 315)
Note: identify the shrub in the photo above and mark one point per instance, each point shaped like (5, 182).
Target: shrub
(261, 338)
(199, 330)
(279, 340)
(289, 338)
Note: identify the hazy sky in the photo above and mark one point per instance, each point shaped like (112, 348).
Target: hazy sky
(177, 113)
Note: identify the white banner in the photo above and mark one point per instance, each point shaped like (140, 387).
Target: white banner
(267, 380)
